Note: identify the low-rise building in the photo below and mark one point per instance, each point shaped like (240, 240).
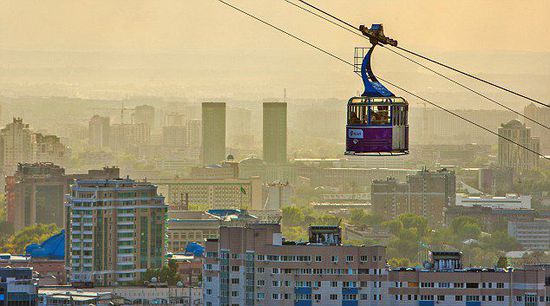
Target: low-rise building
(510, 201)
(534, 235)
(490, 218)
(18, 287)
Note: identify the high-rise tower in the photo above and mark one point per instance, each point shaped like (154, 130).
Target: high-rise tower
(275, 126)
(213, 132)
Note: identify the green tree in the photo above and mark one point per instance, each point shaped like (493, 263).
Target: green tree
(502, 262)
(16, 243)
(293, 216)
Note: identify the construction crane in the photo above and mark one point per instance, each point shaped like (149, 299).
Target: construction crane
(122, 109)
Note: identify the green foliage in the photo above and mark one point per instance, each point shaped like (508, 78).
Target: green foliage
(295, 233)
(466, 228)
(168, 273)
(293, 216)
(16, 243)
(502, 262)
(362, 220)
(399, 262)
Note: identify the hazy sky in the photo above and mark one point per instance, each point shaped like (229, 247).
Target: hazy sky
(201, 41)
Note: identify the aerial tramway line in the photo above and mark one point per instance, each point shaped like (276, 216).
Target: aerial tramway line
(377, 121)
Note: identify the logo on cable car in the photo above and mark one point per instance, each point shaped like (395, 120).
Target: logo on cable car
(355, 133)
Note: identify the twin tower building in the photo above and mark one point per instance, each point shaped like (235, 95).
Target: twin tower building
(214, 132)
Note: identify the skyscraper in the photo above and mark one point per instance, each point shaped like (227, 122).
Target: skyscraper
(275, 127)
(194, 133)
(213, 132)
(511, 155)
(98, 132)
(115, 231)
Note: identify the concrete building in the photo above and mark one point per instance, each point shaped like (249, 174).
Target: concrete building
(491, 219)
(115, 231)
(533, 235)
(188, 226)
(174, 136)
(36, 193)
(18, 287)
(48, 148)
(213, 133)
(542, 115)
(127, 137)
(194, 133)
(496, 180)
(426, 193)
(145, 114)
(511, 155)
(275, 132)
(16, 144)
(216, 193)
(253, 265)
(510, 201)
(99, 129)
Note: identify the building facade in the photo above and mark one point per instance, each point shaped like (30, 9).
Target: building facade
(252, 265)
(533, 235)
(18, 287)
(426, 193)
(127, 137)
(16, 145)
(510, 201)
(213, 133)
(36, 193)
(99, 129)
(510, 154)
(216, 193)
(275, 132)
(145, 114)
(115, 231)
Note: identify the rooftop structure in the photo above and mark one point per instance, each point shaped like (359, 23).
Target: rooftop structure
(510, 201)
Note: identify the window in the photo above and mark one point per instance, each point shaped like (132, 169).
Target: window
(260, 295)
(472, 298)
(334, 259)
(261, 257)
(260, 270)
(349, 297)
(318, 258)
(472, 285)
(349, 258)
(234, 293)
(317, 297)
(334, 284)
(333, 297)
(364, 297)
(261, 282)
(380, 115)
(208, 291)
(441, 298)
(209, 279)
(317, 284)
(500, 285)
(234, 281)
(458, 298)
(364, 258)
(444, 285)
(275, 271)
(459, 285)
(275, 296)
(276, 283)
(235, 268)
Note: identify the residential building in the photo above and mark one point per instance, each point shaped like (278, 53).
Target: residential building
(513, 156)
(18, 287)
(213, 133)
(16, 143)
(115, 231)
(145, 114)
(126, 137)
(542, 115)
(275, 132)
(174, 136)
(532, 235)
(36, 193)
(510, 201)
(189, 268)
(216, 193)
(426, 193)
(253, 265)
(99, 129)
(48, 148)
(229, 168)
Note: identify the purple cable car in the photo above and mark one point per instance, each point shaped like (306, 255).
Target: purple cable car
(377, 120)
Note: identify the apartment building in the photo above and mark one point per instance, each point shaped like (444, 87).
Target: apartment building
(115, 231)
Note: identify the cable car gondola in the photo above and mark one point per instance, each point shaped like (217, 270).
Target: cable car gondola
(377, 121)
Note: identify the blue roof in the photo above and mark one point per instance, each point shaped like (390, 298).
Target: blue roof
(51, 248)
(194, 248)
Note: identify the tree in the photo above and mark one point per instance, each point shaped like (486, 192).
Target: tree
(399, 262)
(292, 216)
(32, 234)
(502, 262)
(466, 228)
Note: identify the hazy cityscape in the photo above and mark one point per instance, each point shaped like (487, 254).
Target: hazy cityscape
(225, 153)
